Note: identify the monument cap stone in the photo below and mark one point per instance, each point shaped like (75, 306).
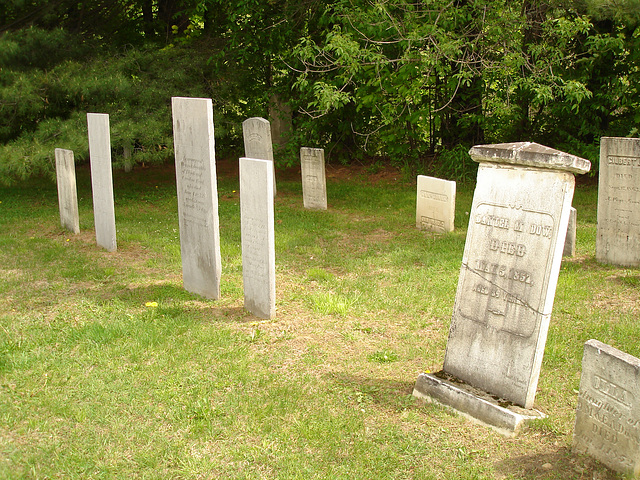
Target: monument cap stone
(529, 154)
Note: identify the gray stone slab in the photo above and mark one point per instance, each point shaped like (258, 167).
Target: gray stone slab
(435, 204)
(314, 180)
(67, 191)
(618, 231)
(510, 269)
(102, 180)
(258, 240)
(474, 404)
(570, 240)
(256, 132)
(608, 413)
(197, 195)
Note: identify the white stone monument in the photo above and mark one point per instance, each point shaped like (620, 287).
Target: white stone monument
(570, 241)
(256, 132)
(435, 204)
(618, 232)
(67, 191)
(507, 282)
(102, 180)
(258, 240)
(608, 413)
(314, 180)
(197, 195)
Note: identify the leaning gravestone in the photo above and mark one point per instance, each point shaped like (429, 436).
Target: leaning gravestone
(435, 204)
(197, 195)
(608, 412)
(67, 191)
(618, 233)
(258, 240)
(102, 180)
(314, 180)
(256, 132)
(507, 282)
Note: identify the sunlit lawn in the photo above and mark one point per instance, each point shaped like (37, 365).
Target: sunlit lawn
(109, 369)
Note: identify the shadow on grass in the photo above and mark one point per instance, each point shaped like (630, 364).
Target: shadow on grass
(561, 464)
(389, 394)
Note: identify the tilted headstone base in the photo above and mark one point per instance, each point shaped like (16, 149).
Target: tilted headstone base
(475, 405)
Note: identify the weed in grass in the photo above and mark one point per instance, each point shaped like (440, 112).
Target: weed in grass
(383, 356)
(327, 303)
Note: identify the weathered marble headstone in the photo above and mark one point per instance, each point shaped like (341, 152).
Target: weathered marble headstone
(508, 277)
(314, 180)
(608, 413)
(67, 191)
(570, 241)
(258, 240)
(102, 180)
(618, 232)
(197, 195)
(256, 132)
(435, 204)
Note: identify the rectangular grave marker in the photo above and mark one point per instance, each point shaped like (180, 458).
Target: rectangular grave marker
(197, 195)
(102, 180)
(618, 231)
(256, 133)
(570, 241)
(510, 269)
(258, 239)
(314, 181)
(608, 413)
(67, 191)
(435, 204)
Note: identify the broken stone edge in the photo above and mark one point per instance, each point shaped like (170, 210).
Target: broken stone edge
(479, 408)
(529, 154)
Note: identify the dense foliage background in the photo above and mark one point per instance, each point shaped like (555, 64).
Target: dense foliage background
(414, 83)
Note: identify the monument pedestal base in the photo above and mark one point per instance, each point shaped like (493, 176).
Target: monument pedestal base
(477, 406)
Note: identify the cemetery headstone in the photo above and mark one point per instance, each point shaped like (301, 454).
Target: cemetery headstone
(570, 241)
(435, 204)
(67, 191)
(256, 132)
(197, 195)
(509, 273)
(102, 180)
(618, 231)
(608, 413)
(258, 240)
(314, 180)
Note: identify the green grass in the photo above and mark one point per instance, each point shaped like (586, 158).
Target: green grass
(109, 369)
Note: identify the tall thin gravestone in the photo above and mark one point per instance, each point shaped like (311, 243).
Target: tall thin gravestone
(258, 239)
(197, 195)
(435, 204)
(256, 132)
(608, 413)
(570, 241)
(67, 191)
(507, 280)
(618, 232)
(102, 180)
(314, 180)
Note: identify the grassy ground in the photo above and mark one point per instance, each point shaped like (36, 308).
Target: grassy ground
(109, 369)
